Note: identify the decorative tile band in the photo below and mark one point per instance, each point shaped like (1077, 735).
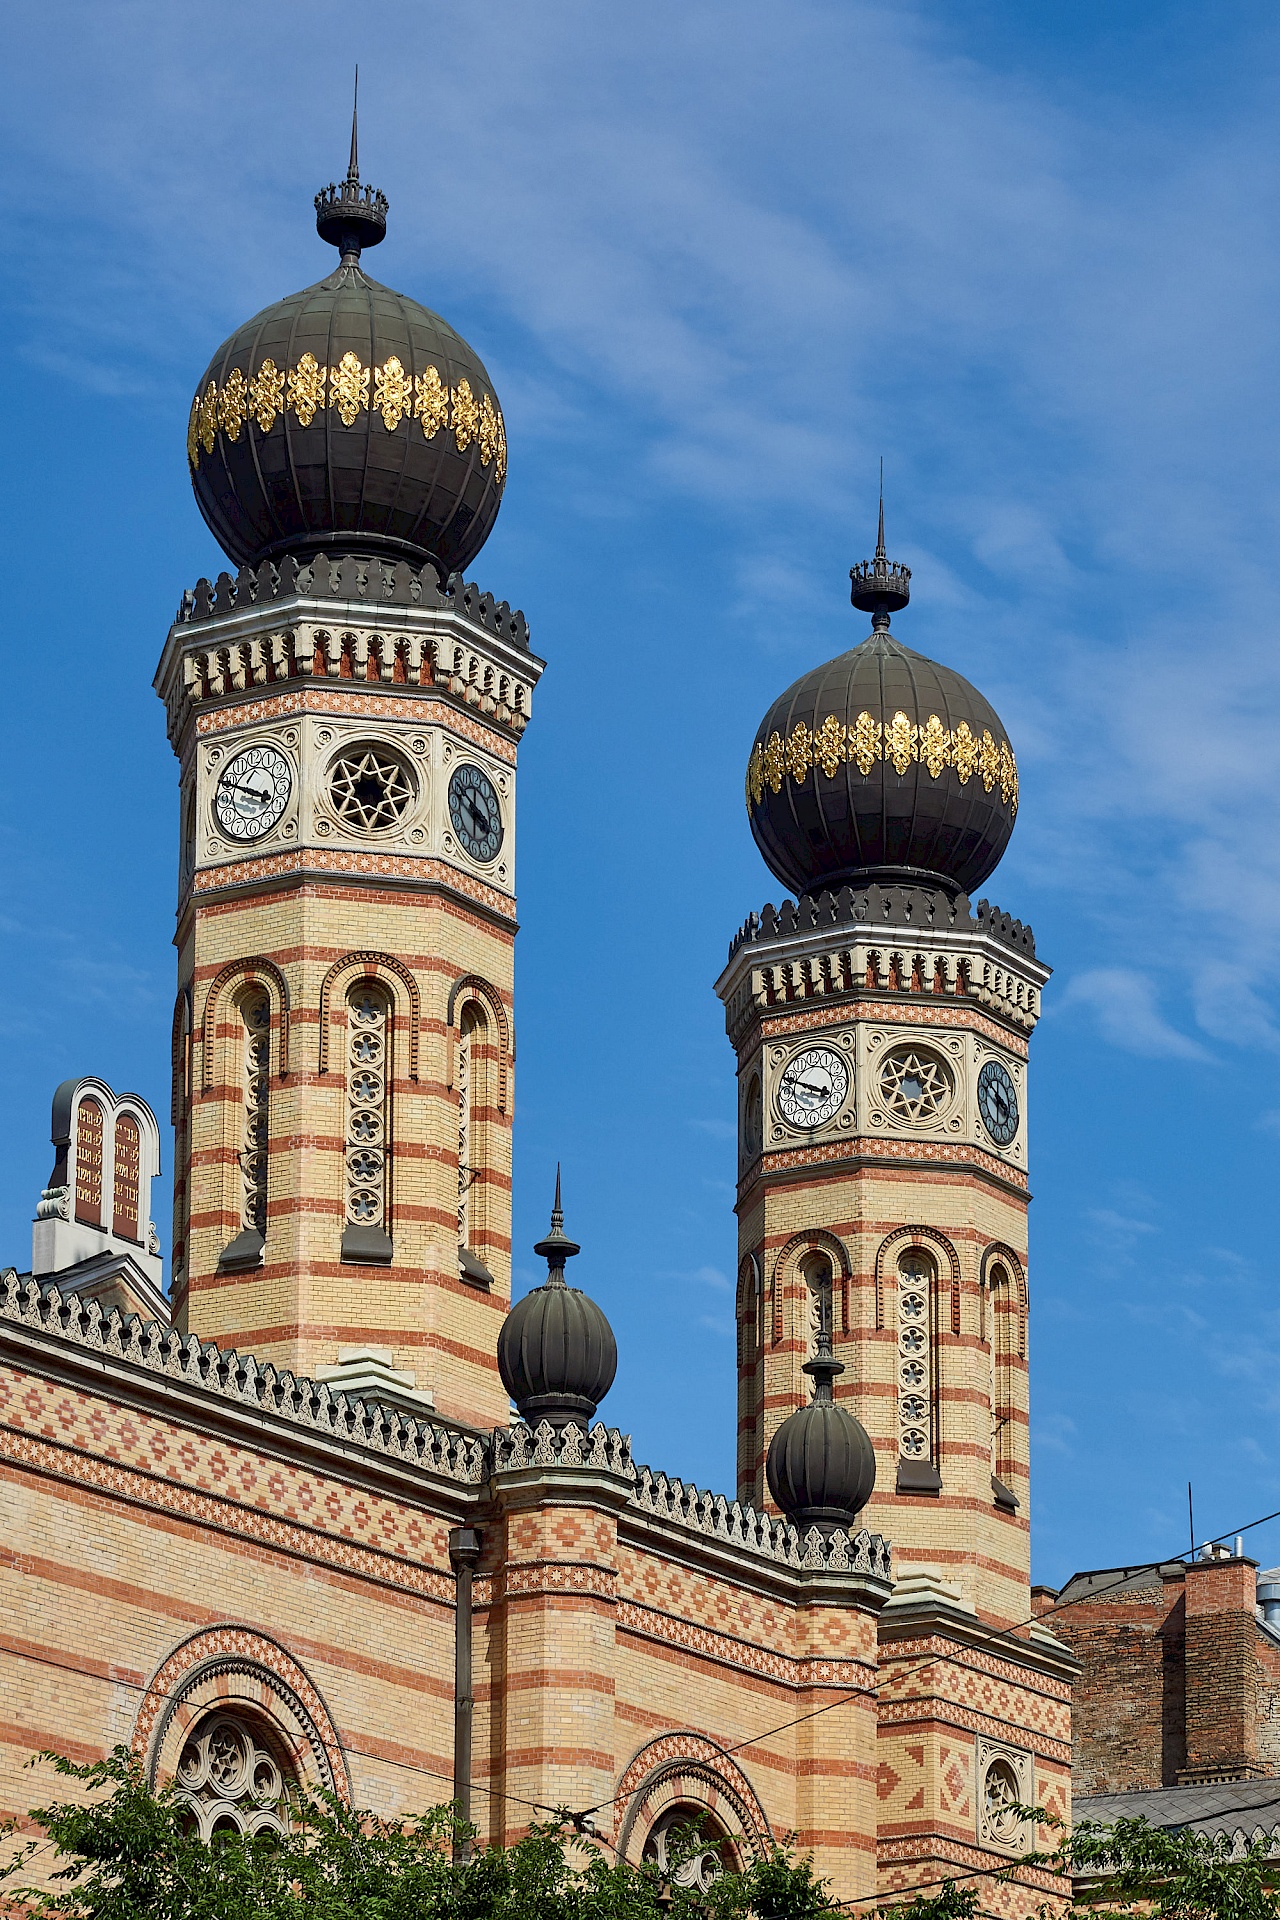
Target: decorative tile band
(899, 741)
(349, 389)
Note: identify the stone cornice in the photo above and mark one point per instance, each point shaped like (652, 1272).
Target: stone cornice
(326, 866)
(910, 1630)
(227, 1396)
(841, 949)
(456, 643)
(867, 1154)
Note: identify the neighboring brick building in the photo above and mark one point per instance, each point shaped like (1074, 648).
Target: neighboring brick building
(281, 1527)
(1180, 1676)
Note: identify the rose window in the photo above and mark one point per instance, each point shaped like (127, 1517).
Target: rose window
(914, 1084)
(230, 1781)
(370, 789)
(687, 1849)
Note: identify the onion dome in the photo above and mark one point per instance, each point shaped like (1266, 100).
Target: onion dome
(556, 1351)
(821, 1465)
(348, 417)
(881, 765)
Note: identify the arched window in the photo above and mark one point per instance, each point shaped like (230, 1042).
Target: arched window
(89, 1162)
(255, 1016)
(816, 1272)
(1002, 1324)
(236, 1776)
(750, 1317)
(474, 1076)
(689, 1847)
(752, 1120)
(367, 1176)
(916, 1314)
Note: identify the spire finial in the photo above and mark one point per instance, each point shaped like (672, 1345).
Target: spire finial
(353, 168)
(349, 216)
(557, 1247)
(880, 586)
(824, 1367)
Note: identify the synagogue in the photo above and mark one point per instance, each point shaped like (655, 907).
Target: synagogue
(327, 1510)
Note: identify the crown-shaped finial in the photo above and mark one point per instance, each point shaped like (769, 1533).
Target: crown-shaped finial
(349, 216)
(880, 587)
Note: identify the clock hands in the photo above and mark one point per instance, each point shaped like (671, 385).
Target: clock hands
(807, 1086)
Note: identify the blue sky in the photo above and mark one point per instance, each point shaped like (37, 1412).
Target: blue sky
(718, 259)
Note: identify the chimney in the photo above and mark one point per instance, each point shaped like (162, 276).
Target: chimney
(1222, 1669)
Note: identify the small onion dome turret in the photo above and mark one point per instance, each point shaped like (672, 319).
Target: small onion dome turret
(348, 418)
(881, 765)
(821, 1466)
(556, 1351)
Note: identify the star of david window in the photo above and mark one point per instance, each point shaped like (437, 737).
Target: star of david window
(1006, 1784)
(914, 1084)
(370, 789)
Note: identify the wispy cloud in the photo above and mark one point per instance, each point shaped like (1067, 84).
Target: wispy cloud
(1126, 1010)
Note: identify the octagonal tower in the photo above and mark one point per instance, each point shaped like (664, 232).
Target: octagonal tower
(346, 712)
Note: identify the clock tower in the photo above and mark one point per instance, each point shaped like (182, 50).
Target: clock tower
(881, 1025)
(346, 711)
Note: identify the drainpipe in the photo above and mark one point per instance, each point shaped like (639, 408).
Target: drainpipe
(464, 1551)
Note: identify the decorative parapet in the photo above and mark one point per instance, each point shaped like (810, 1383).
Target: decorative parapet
(927, 909)
(465, 1458)
(712, 1515)
(163, 1352)
(352, 577)
(353, 619)
(882, 940)
(569, 1446)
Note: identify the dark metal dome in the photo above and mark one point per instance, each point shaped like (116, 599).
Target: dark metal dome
(348, 417)
(881, 765)
(821, 1465)
(556, 1351)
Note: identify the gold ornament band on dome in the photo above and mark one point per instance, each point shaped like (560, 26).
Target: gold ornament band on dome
(899, 741)
(349, 389)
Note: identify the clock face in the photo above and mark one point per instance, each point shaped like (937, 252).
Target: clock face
(252, 793)
(813, 1087)
(998, 1102)
(475, 812)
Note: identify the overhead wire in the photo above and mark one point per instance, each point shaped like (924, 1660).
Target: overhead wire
(582, 1819)
(1124, 1575)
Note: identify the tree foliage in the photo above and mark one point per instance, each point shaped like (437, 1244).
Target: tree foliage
(1130, 1867)
(126, 1853)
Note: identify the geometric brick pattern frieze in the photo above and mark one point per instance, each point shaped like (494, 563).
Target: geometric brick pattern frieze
(367, 705)
(949, 1658)
(523, 1581)
(901, 1715)
(248, 1496)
